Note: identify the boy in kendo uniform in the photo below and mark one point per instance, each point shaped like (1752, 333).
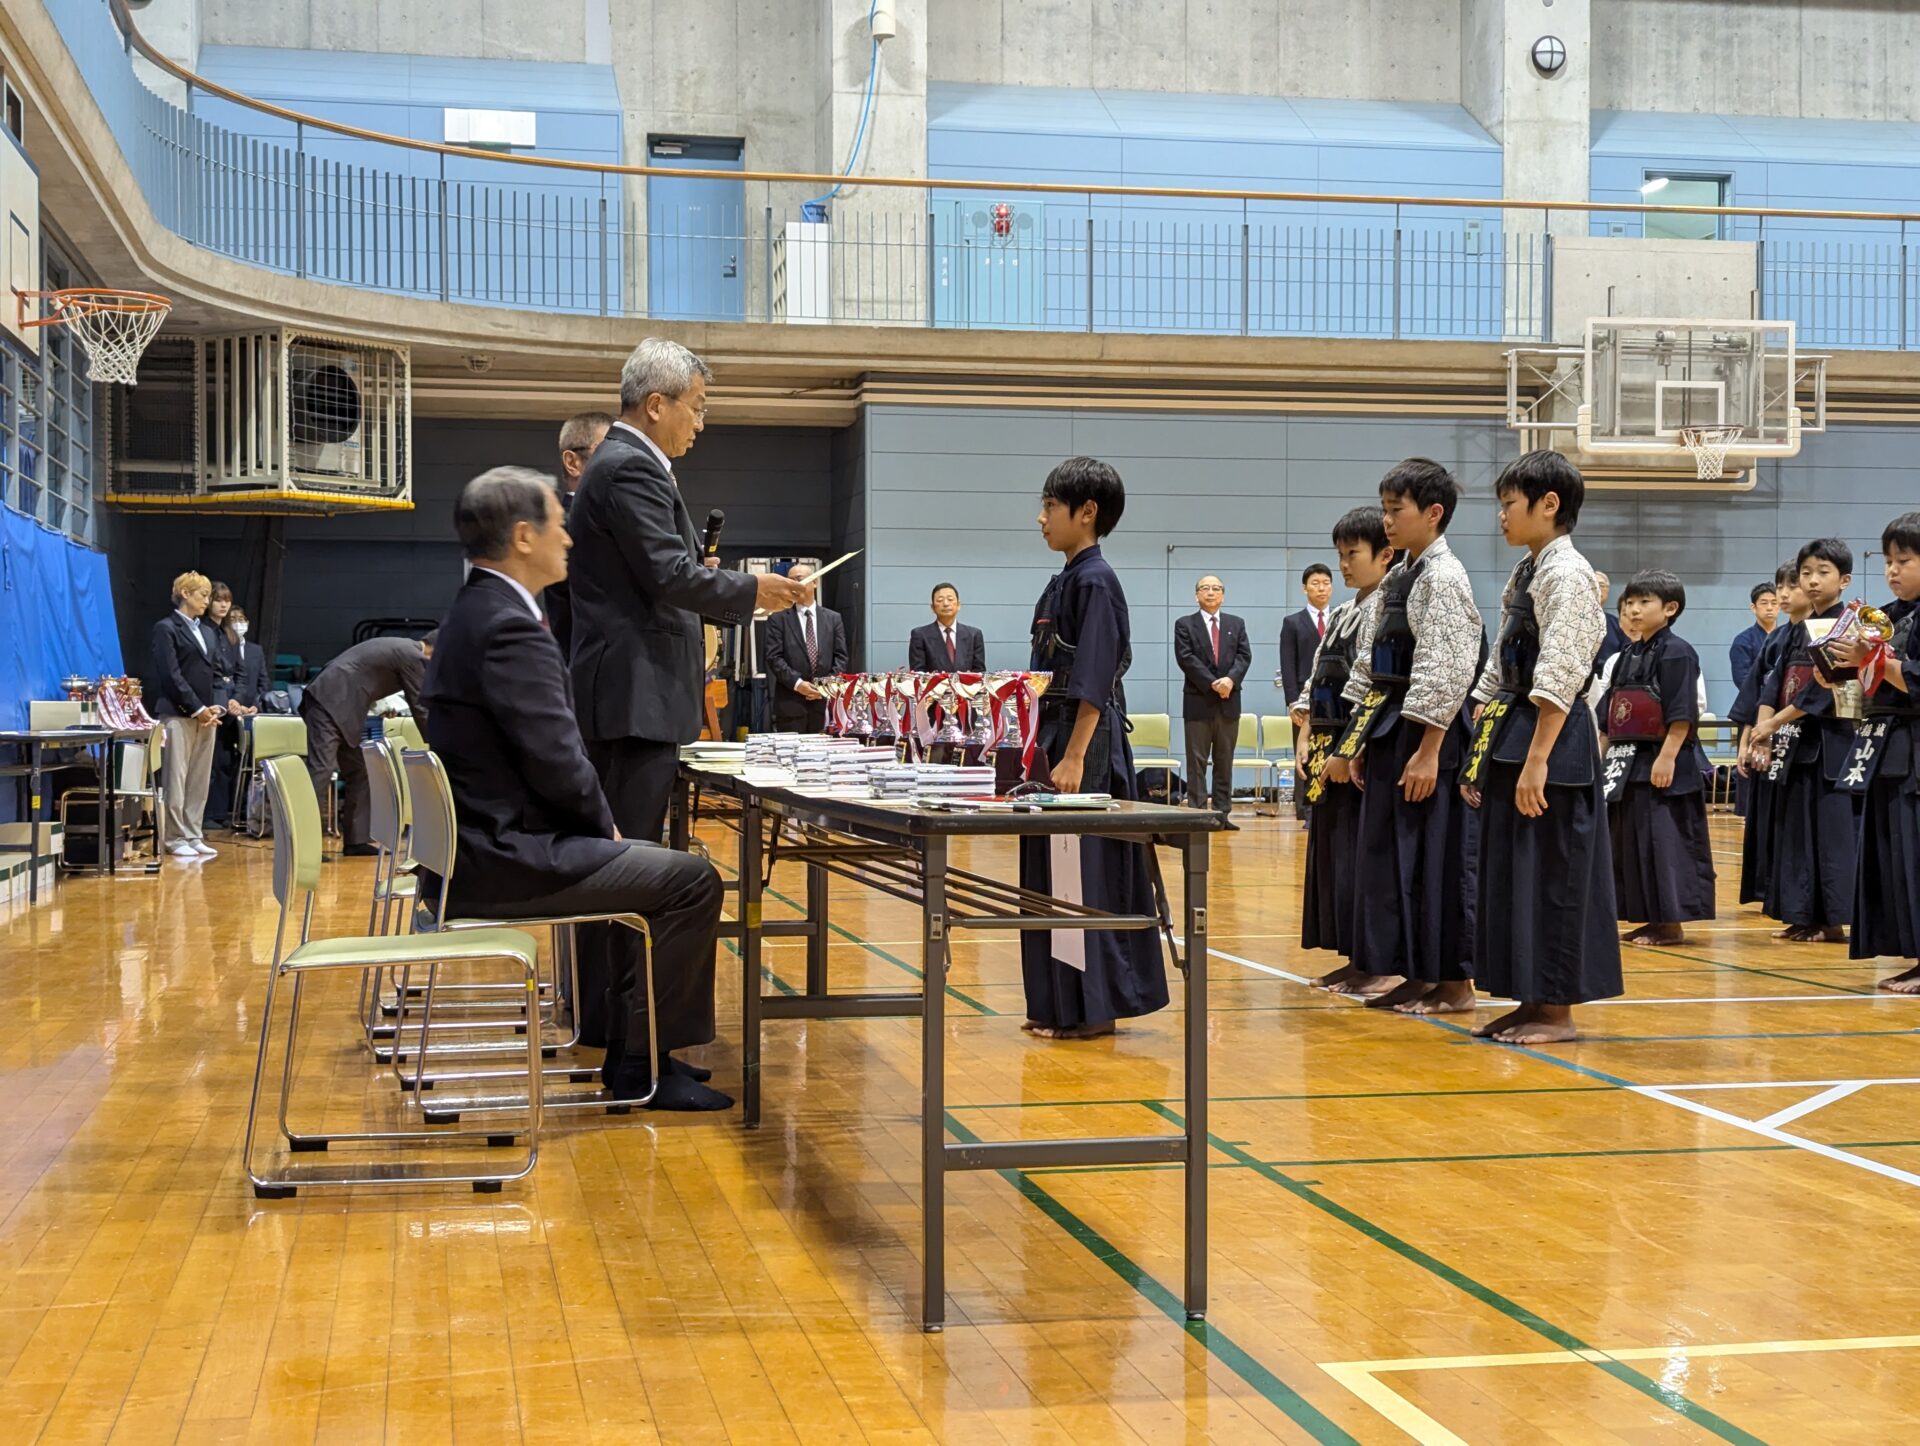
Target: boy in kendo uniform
(1811, 727)
(1545, 922)
(1420, 647)
(1655, 771)
(1756, 840)
(1079, 981)
(1320, 715)
(1885, 769)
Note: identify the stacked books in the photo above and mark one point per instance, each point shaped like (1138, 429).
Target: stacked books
(912, 782)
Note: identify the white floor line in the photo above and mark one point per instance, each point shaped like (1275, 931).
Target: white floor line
(1774, 1084)
(1780, 1137)
(1812, 1103)
(1263, 968)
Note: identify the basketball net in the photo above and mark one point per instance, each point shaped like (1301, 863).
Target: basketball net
(113, 327)
(1709, 447)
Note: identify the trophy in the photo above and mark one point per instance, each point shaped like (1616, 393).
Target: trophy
(972, 689)
(1035, 760)
(1010, 752)
(80, 690)
(948, 744)
(831, 687)
(886, 727)
(136, 710)
(1860, 624)
(903, 699)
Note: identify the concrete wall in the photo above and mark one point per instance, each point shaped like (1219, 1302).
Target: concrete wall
(1373, 49)
(1843, 59)
(490, 29)
(951, 491)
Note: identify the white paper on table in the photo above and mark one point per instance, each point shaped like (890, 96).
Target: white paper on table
(1069, 946)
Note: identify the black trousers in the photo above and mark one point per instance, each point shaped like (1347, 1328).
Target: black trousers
(637, 775)
(794, 714)
(330, 751)
(1215, 737)
(679, 895)
(226, 757)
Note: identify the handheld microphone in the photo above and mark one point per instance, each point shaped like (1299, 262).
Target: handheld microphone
(716, 519)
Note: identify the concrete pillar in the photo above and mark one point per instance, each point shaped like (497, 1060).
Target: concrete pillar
(879, 234)
(173, 28)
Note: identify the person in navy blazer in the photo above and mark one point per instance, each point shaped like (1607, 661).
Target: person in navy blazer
(184, 657)
(536, 834)
(1212, 650)
(247, 685)
(927, 646)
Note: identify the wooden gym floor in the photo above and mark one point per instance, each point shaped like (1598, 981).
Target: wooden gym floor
(1700, 1223)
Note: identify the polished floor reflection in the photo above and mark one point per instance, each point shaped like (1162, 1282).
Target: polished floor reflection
(1697, 1224)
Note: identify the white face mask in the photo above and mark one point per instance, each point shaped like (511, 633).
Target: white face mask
(239, 630)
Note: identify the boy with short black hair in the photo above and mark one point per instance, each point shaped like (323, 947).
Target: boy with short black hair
(1655, 776)
(1544, 925)
(1319, 715)
(1080, 981)
(1885, 766)
(1756, 843)
(1810, 726)
(1419, 650)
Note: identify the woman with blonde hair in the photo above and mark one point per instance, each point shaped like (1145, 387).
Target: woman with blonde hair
(185, 656)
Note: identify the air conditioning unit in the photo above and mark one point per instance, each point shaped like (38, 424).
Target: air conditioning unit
(258, 418)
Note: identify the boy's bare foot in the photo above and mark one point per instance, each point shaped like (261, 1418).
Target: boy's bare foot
(1523, 1015)
(1795, 934)
(1367, 986)
(1655, 934)
(1337, 976)
(1453, 997)
(1077, 1031)
(1031, 1025)
(1405, 992)
(1907, 983)
(1551, 1024)
(1833, 934)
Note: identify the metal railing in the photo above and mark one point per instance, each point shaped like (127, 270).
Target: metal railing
(339, 203)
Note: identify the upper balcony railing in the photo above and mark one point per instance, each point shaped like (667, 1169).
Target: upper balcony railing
(315, 198)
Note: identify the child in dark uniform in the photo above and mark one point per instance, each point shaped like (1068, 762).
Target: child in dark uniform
(1756, 840)
(1319, 716)
(1544, 927)
(1419, 650)
(1817, 822)
(1655, 773)
(1080, 981)
(1886, 766)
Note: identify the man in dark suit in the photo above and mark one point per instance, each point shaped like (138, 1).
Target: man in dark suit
(1300, 636)
(335, 709)
(248, 686)
(1742, 654)
(1616, 638)
(182, 675)
(947, 645)
(640, 590)
(536, 837)
(805, 642)
(580, 437)
(1212, 650)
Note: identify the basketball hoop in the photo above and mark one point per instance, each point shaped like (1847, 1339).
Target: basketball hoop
(1709, 447)
(112, 326)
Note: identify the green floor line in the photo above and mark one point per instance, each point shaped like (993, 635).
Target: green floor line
(765, 973)
(1747, 969)
(1329, 1095)
(1215, 1341)
(1513, 1310)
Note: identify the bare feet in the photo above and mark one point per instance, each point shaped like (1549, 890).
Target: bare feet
(1031, 1025)
(1523, 1015)
(1907, 983)
(1405, 992)
(1551, 1024)
(1078, 1031)
(1796, 934)
(1337, 976)
(1453, 997)
(1367, 986)
(1654, 934)
(1833, 934)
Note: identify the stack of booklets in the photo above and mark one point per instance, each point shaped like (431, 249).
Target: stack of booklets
(911, 782)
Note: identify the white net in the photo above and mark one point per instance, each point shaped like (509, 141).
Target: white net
(1709, 447)
(113, 328)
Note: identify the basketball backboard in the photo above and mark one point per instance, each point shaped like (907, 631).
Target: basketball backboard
(1646, 380)
(20, 242)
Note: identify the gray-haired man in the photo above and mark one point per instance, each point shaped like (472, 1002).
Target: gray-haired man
(580, 437)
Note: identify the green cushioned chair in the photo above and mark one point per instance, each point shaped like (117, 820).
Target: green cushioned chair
(404, 731)
(296, 879)
(1150, 735)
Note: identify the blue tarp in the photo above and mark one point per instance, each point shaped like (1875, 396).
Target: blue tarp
(56, 615)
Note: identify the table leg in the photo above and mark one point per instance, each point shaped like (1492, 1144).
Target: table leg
(817, 915)
(109, 804)
(933, 1087)
(33, 825)
(750, 961)
(1195, 850)
(679, 816)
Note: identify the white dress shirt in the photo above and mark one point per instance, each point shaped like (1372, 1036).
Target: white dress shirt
(193, 626)
(514, 583)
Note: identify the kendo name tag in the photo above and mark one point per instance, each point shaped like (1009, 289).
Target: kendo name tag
(1069, 946)
(1619, 764)
(1490, 717)
(1361, 723)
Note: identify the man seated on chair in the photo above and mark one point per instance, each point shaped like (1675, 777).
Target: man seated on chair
(536, 837)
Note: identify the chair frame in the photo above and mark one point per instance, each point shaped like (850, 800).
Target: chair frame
(296, 874)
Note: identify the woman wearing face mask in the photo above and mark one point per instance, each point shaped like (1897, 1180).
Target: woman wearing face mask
(247, 684)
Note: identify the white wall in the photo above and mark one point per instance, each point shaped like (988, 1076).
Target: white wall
(1838, 59)
(1374, 49)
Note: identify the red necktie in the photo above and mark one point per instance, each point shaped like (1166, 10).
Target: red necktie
(1213, 623)
(1320, 622)
(951, 655)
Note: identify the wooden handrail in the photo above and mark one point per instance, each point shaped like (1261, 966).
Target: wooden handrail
(125, 21)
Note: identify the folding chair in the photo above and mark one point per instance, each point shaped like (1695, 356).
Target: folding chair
(264, 736)
(432, 845)
(1276, 742)
(1153, 746)
(1247, 755)
(296, 878)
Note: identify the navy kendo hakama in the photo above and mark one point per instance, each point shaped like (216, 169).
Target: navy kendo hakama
(1327, 902)
(1886, 761)
(1082, 636)
(1756, 840)
(1816, 840)
(1662, 854)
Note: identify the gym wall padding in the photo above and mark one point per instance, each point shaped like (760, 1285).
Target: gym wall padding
(56, 615)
